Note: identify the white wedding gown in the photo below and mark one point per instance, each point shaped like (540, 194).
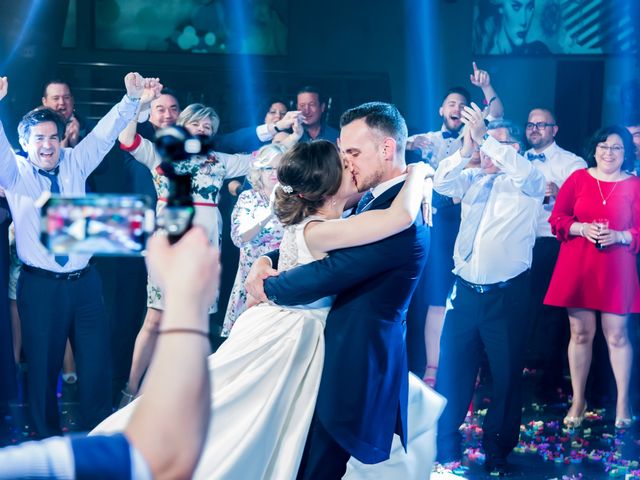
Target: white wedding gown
(264, 381)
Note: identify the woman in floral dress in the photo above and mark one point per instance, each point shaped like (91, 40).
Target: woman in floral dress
(207, 175)
(255, 230)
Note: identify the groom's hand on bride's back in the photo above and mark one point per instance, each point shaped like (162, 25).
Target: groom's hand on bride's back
(260, 271)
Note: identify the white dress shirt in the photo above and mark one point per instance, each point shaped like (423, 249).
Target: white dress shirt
(53, 458)
(384, 186)
(557, 166)
(503, 243)
(441, 147)
(23, 184)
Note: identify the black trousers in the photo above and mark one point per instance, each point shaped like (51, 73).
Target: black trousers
(549, 328)
(496, 322)
(50, 311)
(8, 385)
(323, 458)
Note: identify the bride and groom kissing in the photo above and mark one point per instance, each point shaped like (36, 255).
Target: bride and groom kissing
(313, 382)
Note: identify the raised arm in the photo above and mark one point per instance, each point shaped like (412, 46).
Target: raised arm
(150, 92)
(372, 225)
(171, 419)
(91, 150)
(8, 167)
(520, 170)
(482, 80)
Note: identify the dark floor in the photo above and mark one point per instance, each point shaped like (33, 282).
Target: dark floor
(546, 450)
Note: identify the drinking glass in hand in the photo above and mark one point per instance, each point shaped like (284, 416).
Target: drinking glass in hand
(602, 224)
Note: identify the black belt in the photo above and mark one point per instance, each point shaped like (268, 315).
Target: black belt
(490, 287)
(56, 275)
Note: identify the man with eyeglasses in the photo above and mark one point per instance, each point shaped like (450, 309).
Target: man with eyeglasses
(487, 306)
(547, 323)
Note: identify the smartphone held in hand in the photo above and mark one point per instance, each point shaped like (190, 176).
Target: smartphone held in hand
(97, 225)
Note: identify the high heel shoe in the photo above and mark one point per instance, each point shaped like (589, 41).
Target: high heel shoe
(623, 423)
(575, 422)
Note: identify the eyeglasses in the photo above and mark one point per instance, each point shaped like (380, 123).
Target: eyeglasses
(538, 125)
(267, 169)
(610, 148)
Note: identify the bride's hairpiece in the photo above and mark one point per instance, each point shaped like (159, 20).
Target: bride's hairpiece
(286, 188)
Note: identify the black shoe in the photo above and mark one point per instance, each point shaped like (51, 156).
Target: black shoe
(497, 467)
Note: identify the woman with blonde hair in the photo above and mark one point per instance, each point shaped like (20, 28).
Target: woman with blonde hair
(207, 172)
(255, 229)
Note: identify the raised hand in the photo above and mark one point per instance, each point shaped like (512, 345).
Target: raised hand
(473, 118)
(152, 89)
(468, 144)
(71, 133)
(134, 83)
(480, 78)
(4, 87)
(288, 120)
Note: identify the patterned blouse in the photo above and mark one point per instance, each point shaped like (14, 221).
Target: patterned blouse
(251, 205)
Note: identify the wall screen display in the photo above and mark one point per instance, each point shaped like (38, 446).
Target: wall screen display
(196, 26)
(544, 27)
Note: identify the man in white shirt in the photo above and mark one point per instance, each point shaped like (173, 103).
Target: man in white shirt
(60, 295)
(487, 305)
(547, 348)
(427, 309)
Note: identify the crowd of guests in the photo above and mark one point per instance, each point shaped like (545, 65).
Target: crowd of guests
(523, 240)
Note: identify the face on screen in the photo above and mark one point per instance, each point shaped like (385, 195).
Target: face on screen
(516, 19)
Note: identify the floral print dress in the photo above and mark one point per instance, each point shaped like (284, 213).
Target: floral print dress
(251, 205)
(207, 175)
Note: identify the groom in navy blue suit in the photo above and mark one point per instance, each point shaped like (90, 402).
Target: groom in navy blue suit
(363, 393)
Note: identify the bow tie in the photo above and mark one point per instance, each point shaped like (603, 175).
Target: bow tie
(539, 156)
(447, 134)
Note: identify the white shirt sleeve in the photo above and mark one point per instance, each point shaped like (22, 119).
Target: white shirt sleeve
(263, 133)
(8, 165)
(50, 458)
(520, 170)
(451, 179)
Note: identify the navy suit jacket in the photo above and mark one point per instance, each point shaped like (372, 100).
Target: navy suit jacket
(363, 393)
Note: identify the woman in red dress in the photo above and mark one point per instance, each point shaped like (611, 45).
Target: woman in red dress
(597, 219)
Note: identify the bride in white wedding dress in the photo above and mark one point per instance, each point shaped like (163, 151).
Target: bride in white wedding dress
(265, 377)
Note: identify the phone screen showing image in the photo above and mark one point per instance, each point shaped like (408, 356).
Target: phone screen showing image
(97, 225)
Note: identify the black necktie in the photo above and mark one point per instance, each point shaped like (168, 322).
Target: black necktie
(55, 188)
(447, 134)
(533, 156)
(364, 201)
(53, 178)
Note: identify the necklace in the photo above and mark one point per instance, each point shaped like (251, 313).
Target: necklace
(604, 200)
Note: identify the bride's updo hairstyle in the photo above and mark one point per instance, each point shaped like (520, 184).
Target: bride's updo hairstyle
(308, 174)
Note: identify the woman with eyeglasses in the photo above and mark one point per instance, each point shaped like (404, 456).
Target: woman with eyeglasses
(255, 229)
(597, 219)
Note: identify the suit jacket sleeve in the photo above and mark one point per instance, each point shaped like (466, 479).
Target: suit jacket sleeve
(339, 271)
(241, 141)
